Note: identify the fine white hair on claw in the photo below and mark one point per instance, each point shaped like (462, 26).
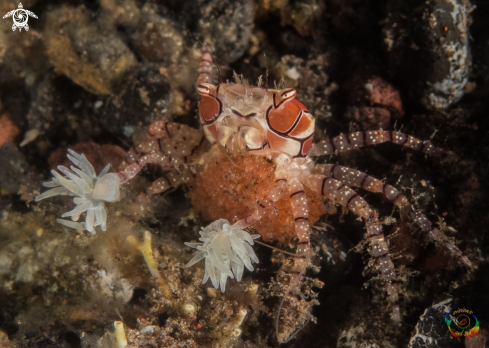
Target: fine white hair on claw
(90, 192)
(226, 250)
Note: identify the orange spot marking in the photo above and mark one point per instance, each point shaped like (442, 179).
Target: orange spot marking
(208, 109)
(213, 130)
(299, 105)
(276, 141)
(279, 143)
(306, 146)
(304, 128)
(283, 118)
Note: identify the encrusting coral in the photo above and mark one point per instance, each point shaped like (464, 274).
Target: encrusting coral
(226, 250)
(90, 191)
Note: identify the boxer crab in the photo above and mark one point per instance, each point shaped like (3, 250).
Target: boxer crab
(257, 121)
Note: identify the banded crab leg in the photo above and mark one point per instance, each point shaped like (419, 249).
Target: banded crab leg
(173, 146)
(300, 211)
(179, 142)
(170, 179)
(350, 141)
(205, 68)
(340, 193)
(133, 169)
(356, 178)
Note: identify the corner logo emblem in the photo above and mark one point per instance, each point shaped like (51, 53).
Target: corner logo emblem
(462, 322)
(20, 17)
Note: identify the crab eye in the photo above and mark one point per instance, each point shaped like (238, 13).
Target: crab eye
(204, 88)
(288, 94)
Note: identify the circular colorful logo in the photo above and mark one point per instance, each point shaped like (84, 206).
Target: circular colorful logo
(462, 322)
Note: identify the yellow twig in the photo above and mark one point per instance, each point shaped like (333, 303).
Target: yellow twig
(145, 248)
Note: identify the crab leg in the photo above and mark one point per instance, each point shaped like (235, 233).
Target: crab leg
(205, 69)
(342, 194)
(300, 211)
(170, 179)
(137, 150)
(178, 142)
(132, 170)
(171, 145)
(350, 141)
(174, 131)
(356, 178)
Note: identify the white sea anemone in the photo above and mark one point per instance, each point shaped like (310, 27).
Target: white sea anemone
(90, 192)
(226, 249)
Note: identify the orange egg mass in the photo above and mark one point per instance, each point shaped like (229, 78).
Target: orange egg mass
(228, 191)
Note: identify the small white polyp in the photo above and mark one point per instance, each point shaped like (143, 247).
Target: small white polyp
(90, 191)
(226, 250)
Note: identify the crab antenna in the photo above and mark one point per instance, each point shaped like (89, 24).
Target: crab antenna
(266, 72)
(271, 247)
(266, 79)
(213, 60)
